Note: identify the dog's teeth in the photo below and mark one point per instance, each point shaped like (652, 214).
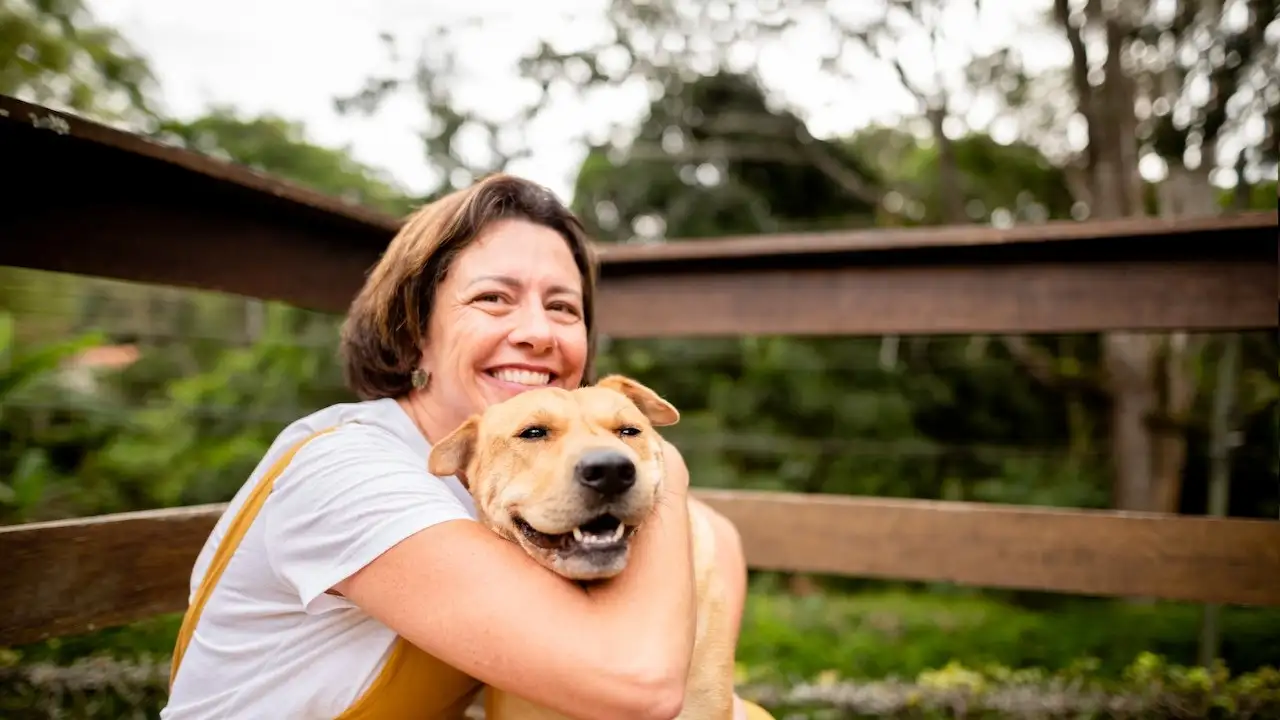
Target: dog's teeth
(599, 538)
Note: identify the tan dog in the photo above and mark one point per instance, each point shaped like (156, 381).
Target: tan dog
(569, 476)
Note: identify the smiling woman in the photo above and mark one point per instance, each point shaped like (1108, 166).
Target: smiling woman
(347, 581)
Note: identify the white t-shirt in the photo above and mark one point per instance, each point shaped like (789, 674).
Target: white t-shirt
(270, 643)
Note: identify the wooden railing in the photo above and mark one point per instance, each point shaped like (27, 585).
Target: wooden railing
(96, 201)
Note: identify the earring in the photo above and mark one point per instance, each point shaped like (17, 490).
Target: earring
(419, 378)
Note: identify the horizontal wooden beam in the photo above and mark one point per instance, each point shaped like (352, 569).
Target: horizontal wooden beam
(91, 200)
(68, 577)
(1087, 552)
(73, 576)
(933, 237)
(97, 201)
(904, 299)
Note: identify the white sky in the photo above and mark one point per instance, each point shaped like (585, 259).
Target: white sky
(291, 57)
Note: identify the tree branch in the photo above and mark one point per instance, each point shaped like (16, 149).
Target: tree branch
(1043, 367)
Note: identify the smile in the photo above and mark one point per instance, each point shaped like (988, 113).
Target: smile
(521, 376)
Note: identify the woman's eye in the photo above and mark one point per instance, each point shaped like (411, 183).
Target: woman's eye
(565, 308)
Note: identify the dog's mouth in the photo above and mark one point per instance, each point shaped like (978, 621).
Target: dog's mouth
(605, 532)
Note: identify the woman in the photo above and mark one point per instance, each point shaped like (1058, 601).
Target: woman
(345, 581)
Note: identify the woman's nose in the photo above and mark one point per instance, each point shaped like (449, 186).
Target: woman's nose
(533, 329)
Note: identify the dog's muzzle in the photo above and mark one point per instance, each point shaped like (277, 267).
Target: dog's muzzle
(608, 473)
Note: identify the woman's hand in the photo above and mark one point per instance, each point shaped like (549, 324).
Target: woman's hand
(677, 477)
(477, 602)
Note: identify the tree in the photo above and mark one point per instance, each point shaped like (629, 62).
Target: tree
(711, 158)
(1172, 103)
(280, 147)
(53, 53)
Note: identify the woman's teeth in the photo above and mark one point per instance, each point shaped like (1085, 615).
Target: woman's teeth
(523, 377)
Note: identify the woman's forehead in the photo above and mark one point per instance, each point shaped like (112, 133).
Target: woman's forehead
(519, 253)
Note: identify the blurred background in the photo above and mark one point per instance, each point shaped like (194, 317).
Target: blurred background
(684, 119)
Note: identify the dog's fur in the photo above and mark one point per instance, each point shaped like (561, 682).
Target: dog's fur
(525, 489)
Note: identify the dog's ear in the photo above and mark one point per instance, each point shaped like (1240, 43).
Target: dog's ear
(451, 455)
(658, 411)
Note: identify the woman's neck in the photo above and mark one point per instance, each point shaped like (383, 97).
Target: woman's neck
(430, 422)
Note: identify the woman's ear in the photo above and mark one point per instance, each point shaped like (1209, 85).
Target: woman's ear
(452, 455)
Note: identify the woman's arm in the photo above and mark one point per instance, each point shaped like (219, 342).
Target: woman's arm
(731, 563)
(477, 602)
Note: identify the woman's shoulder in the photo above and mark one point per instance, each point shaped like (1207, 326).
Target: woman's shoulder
(371, 428)
(358, 460)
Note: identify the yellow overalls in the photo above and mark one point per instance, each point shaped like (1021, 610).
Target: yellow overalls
(412, 684)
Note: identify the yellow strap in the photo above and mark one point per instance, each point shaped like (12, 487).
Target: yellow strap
(227, 548)
(755, 712)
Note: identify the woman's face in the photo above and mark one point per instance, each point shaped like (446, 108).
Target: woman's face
(508, 317)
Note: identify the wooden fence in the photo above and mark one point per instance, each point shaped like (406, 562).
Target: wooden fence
(95, 201)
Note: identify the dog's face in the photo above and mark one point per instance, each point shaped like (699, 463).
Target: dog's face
(568, 475)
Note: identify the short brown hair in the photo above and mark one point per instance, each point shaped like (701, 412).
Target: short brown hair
(388, 320)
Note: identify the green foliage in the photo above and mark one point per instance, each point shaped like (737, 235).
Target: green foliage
(200, 435)
(1151, 688)
(27, 470)
(280, 147)
(866, 636)
(742, 170)
(884, 654)
(832, 416)
(53, 53)
(1015, 178)
(1261, 196)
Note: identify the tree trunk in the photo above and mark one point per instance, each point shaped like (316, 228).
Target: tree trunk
(1220, 446)
(950, 194)
(1127, 364)
(1128, 358)
(1177, 381)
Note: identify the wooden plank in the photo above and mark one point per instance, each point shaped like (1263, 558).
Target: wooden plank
(1104, 553)
(946, 236)
(85, 138)
(904, 299)
(186, 220)
(96, 201)
(74, 576)
(69, 577)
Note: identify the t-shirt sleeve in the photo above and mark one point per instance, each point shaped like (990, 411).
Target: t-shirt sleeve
(347, 497)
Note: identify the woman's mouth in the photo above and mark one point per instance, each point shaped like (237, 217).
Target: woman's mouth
(522, 376)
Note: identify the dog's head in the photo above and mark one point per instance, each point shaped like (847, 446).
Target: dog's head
(568, 475)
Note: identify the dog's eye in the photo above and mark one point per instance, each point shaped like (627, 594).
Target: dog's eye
(533, 432)
(628, 431)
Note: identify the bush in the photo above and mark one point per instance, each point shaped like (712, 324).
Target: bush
(787, 639)
(1149, 688)
(103, 687)
(892, 654)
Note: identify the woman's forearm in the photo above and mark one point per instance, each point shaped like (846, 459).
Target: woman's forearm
(653, 601)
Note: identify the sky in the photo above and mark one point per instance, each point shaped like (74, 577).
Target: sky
(292, 57)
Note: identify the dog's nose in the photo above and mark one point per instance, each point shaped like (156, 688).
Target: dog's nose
(607, 472)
